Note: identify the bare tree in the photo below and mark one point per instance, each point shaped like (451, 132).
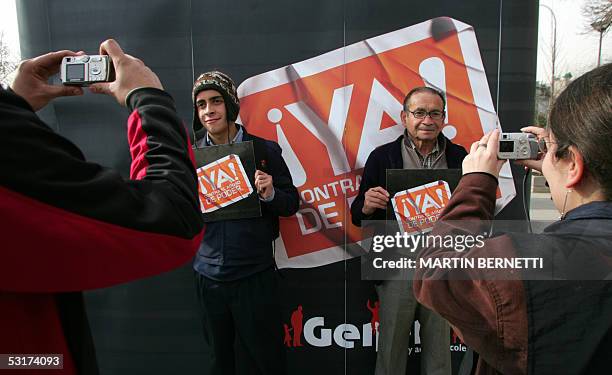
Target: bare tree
(598, 14)
(8, 62)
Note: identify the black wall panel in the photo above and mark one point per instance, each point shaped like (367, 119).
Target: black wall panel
(152, 326)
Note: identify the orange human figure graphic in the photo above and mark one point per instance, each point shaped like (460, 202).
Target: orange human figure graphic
(455, 336)
(375, 319)
(296, 323)
(287, 339)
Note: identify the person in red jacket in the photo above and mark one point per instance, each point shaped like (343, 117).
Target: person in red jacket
(69, 225)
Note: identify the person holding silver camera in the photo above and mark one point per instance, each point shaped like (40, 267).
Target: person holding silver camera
(555, 319)
(70, 225)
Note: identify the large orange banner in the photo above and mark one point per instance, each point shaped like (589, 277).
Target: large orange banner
(329, 112)
(417, 209)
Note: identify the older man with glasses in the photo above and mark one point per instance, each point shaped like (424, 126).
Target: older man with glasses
(422, 146)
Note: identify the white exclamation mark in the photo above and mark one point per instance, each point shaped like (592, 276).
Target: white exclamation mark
(296, 169)
(433, 73)
(232, 167)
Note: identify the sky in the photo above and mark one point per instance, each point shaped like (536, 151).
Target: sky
(8, 25)
(578, 48)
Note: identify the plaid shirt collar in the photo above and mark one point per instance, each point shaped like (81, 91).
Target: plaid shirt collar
(426, 160)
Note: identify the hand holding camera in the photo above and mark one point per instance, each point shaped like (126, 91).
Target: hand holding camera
(494, 148)
(130, 73)
(483, 155)
(32, 79)
(77, 69)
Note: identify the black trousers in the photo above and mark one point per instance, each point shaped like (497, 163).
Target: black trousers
(242, 325)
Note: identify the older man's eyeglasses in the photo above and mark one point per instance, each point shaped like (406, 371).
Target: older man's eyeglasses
(421, 114)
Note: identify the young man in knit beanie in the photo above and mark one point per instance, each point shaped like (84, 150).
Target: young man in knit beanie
(235, 269)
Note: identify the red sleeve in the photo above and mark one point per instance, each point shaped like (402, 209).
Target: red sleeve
(72, 225)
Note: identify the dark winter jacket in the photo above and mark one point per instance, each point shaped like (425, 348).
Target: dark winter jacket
(234, 249)
(69, 225)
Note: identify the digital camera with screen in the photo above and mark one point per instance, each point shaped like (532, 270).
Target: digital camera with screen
(517, 146)
(85, 70)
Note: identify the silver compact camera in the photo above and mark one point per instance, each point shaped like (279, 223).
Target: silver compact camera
(84, 70)
(518, 146)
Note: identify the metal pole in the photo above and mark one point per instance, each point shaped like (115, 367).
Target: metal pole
(553, 53)
(599, 55)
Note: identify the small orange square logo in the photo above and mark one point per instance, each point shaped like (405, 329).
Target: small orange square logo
(222, 183)
(417, 209)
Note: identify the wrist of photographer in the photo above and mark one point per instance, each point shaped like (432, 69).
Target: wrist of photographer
(483, 156)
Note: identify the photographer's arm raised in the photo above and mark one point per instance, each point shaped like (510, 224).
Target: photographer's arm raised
(75, 225)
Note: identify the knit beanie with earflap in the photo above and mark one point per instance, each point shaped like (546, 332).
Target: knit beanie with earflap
(222, 83)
